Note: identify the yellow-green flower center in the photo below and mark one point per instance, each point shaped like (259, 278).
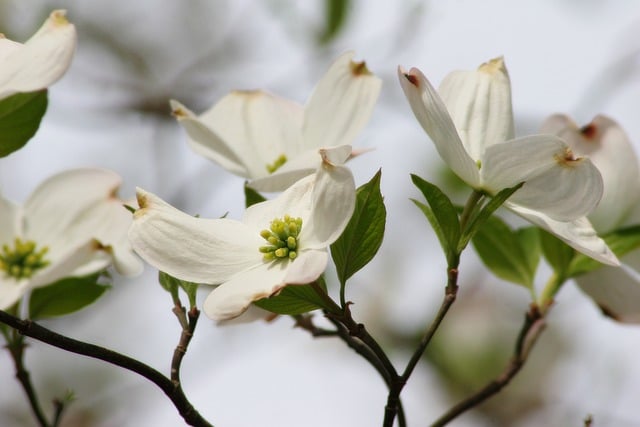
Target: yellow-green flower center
(23, 259)
(277, 163)
(282, 237)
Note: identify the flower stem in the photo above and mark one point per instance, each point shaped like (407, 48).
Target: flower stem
(531, 329)
(188, 327)
(549, 291)
(470, 207)
(175, 394)
(356, 336)
(450, 294)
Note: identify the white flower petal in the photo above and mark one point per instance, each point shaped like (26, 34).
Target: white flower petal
(579, 234)
(206, 142)
(11, 291)
(609, 149)
(293, 170)
(198, 250)
(616, 290)
(81, 260)
(302, 165)
(556, 184)
(479, 103)
(233, 297)
(334, 198)
(307, 267)
(109, 222)
(436, 121)
(254, 126)
(10, 221)
(250, 315)
(295, 201)
(41, 61)
(60, 204)
(341, 104)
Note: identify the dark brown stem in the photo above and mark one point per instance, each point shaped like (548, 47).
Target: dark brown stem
(188, 327)
(529, 333)
(175, 394)
(451, 291)
(305, 321)
(358, 339)
(16, 348)
(59, 409)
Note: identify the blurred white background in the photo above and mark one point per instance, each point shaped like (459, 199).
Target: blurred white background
(111, 110)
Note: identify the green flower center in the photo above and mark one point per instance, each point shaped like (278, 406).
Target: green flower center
(23, 259)
(282, 237)
(277, 163)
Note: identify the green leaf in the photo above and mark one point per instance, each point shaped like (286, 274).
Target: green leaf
(621, 242)
(172, 284)
(251, 196)
(294, 299)
(65, 296)
(558, 254)
(363, 235)
(442, 215)
(169, 283)
(476, 222)
(20, 117)
(336, 12)
(512, 255)
(529, 240)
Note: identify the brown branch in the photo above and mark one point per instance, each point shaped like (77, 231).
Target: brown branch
(16, 348)
(305, 321)
(531, 330)
(188, 327)
(175, 394)
(450, 293)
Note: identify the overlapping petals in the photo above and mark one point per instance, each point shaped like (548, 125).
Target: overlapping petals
(616, 290)
(39, 62)
(273, 141)
(78, 218)
(606, 144)
(471, 125)
(225, 252)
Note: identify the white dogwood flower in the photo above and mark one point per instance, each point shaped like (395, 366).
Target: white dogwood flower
(72, 225)
(277, 243)
(615, 289)
(272, 141)
(471, 124)
(40, 61)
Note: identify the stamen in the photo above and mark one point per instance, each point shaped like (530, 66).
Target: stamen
(277, 163)
(23, 260)
(282, 238)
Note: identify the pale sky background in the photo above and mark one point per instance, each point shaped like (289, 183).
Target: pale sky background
(111, 110)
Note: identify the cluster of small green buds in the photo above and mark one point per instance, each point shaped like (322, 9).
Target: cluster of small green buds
(282, 237)
(23, 259)
(277, 163)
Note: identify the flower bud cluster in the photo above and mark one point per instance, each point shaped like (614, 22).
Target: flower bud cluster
(23, 259)
(282, 237)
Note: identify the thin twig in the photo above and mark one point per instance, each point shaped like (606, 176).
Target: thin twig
(59, 409)
(531, 330)
(175, 394)
(16, 349)
(451, 291)
(188, 327)
(306, 322)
